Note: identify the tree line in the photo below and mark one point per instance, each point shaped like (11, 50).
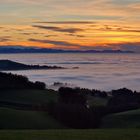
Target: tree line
(72, 108)
(14, 81)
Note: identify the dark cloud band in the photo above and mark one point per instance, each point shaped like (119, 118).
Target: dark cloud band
(59, 29)
(59, 43)
(68, 22)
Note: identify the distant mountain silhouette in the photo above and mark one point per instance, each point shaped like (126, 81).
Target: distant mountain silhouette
(11, 65)
(21, 49)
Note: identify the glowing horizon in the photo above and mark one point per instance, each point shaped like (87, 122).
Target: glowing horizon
(71, 24)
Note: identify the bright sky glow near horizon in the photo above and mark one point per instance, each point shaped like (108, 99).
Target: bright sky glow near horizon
(71, 24)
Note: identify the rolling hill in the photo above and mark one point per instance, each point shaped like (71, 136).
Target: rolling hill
(21, 119)
(11, 65)
(128, 119)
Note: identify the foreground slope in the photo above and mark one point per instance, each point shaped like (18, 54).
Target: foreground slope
(29, 96)
(128, 119)
(21, 119)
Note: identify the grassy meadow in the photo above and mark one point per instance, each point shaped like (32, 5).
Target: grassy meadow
(128, 119)
(28, 96)
(102, 134)
(23, 119)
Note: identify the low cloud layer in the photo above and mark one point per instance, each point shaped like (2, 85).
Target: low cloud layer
(57, 43)
(67, 22)
(59, 29)
(5, 38)
(120, 29)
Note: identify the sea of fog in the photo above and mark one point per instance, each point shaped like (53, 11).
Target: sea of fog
(98, 71)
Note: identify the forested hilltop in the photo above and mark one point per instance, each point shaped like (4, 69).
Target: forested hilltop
(14, 81)
(11, 65)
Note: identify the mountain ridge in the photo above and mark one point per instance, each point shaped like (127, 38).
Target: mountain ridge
(21, 49)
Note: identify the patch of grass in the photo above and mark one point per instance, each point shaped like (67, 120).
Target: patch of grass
(128, 119)
(20, 119)
(28, 96)
(119, 134)
(97, 101)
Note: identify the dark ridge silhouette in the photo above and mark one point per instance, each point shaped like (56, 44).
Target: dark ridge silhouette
(13, 81)
(22, 49)
(11, 65)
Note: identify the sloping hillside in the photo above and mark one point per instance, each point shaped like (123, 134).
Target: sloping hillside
(11, 65)
(129, 119)
(13, 81)
(21, 119)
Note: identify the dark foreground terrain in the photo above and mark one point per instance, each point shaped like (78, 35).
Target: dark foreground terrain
(102, 134)
(29, 111)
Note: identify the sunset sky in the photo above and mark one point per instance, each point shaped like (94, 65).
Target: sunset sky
(71, 24)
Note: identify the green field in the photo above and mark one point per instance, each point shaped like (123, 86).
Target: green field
(20, 119)
(28, 96)
(11, 118)
(97, 101)
(118, 134)
(128, 119)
